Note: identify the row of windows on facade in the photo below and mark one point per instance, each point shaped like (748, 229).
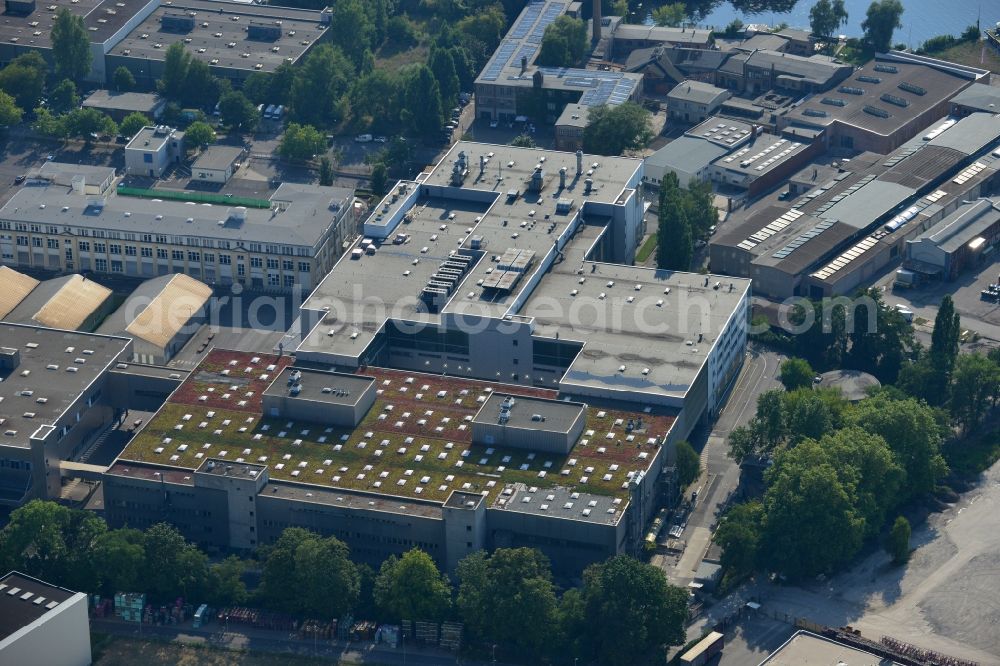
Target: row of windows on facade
(268, 248)
(161, 253)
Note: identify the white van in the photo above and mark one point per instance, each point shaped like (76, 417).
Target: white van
(363, 138)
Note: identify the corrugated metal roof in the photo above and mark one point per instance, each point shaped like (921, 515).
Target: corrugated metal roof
(70, 307)
(170, 310)
(14, 287)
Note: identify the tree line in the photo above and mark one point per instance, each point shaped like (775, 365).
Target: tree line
(837, 472)
(624, 612)
(685, 214)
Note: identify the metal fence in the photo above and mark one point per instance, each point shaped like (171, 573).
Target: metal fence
(195, 197)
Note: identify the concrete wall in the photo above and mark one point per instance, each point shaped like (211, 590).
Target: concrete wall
(498, 434)
(319, 411)
(61, 637)
(464, 529)
(241, 492)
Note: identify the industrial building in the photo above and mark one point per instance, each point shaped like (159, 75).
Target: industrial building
(693, 101)
(71, 302)
(689, 156)
(118, 105)
(275, 244)
(41, 624)
(977, 97)
(216, 164)
(14, 288)
(477, 371)
(234, 39)
(883, 104)
(627, 37)
(154, 150)
(160, 316)
(511, 87)
(760, 70)
(54, 397)
(805, 647)
(847, 224)
(955, 243)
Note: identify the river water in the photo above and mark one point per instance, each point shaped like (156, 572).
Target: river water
(922, 19)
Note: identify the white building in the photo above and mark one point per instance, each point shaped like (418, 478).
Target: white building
(41, 624)
(153, 150)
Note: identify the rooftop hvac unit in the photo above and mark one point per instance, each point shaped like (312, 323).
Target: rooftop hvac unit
(19, 7)
(177, 23)
(267, 32)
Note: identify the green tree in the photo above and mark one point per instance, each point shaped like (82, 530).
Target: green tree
(508, 598)
(375, 100)
(809, 414)
(85, 123)
(10, 114)
(401, 32)
(175, 68)
(810, 523)
(379, 178)
(320, 83)
(132, 123)
(898, 543)
(739, 536)
(912, 432)
(198, 135)
(523, 141)
(701, 211)
(301, 142)
(688, 464)
(238, 112)
(944, 349)
(563, 43)
(675, 248)
(226, 586)
(975, 387)
(631, 611)
(325, 171)
(671, 15)
(172, 567)
(422, 109)
(309, 575)
(24, 81)
(201, 89)
(443, 67)
(881, 20)
(124, 81)
(611, 130)
(48, 124)
(826, 16)
(796, 373)
(868, 469)
(63, 97)
(354, 29)
(70, 45)
(119, 560)
(412, 588)
(257, 88)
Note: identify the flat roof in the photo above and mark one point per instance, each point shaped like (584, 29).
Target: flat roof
(102, 18)
(129, 102)
(561, 502)
(217, 25)
(869, 202)
(912, 88)
(530, 413)
(24, 600)
(636, 337)
(688, 154)
(216, 467)
(415, 443)
(334, 388)
(14, 287)
(963, 225)
(61, 173)
(655, 33)
(304, 215)
(761, 155)
(979, 96)
(49, 387)
(820, 70)
(574, 115)
(152, 138)
(217, 157)
(971, 134)
(808, 649)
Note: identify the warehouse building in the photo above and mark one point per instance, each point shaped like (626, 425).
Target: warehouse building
(761, 70)
(54, 398)
(216, 164)
(234, 39)
(805, 647)
(276, 244)
(41, 624)
(627, 37)
(690, 156)
(154, 150)
(883, 104)
(160, 316)
(14, 288)
(955, 243)
(511, 88)
(70, 302)
(850, 223)
(693, 102)
(979, 97)
(118, 105)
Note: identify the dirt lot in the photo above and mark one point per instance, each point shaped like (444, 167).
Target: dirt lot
(128, 651)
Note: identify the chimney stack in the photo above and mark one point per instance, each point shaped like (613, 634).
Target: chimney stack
(597, 21)
(579, 162)
(524, 65)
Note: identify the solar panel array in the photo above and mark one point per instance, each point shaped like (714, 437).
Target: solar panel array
(524, 37)
(769, 230)
(969, 173)
(803, 238)
(934, 196)
(728, 134)
(773, 153)
(609, 91)
(834, 200)
(847, 257)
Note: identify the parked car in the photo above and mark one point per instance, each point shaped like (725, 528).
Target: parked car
(363, 138)
(380, 139)
(19, 179)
